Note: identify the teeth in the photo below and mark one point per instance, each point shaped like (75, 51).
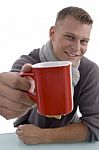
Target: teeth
(71, 54)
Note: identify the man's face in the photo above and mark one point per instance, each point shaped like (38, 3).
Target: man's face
(70, 39)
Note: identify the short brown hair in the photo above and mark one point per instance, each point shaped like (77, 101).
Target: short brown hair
(76, 12)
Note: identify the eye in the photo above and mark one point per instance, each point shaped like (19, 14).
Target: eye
(69, 37)
(84, 42)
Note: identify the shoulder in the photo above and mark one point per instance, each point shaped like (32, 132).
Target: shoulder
(87, 66)
(86, 61)
(32, 58)
(35, 51)
(34, 54)
(89, 74)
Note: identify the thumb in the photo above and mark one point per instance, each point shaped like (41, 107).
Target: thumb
(27, 68)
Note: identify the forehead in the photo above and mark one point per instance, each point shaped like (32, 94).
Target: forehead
(71, 25)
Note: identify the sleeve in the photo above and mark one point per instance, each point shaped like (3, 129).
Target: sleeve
(32, 58)
(23, 119)
(89, 102)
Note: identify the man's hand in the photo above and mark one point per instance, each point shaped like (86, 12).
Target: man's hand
(14, 100)
(31, 134)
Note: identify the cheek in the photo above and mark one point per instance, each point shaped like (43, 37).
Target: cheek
(57, 52)
(83, 50)
(56, 47)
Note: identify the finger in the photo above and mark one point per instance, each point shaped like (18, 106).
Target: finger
(16, 95)
(20, 137)
(13, 79)
(27, 67)
(20, 127)
(10, 114)
(12, 105)
(19, 132)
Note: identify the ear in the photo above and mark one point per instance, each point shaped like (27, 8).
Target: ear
(51, 33)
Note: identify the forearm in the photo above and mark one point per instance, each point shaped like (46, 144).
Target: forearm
(76, 132)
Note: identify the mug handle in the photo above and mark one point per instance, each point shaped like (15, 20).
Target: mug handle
(29, 74)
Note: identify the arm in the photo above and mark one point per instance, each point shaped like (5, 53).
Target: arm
(89, 98)
(76, 132)
(14, 100)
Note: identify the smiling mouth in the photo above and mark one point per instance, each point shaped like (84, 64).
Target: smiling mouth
(71, 54)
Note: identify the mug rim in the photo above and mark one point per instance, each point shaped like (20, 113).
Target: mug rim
(51, 64)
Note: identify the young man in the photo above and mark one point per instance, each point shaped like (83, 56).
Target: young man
(68, 41)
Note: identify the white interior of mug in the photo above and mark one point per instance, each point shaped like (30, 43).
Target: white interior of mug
(51, 64)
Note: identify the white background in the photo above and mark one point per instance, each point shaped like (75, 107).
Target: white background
(24, 25)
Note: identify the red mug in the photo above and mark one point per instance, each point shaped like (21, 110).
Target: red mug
(53, 87)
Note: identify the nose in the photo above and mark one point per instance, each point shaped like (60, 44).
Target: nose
(76, 45)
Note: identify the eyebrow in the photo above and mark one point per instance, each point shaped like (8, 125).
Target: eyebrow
(76, 36)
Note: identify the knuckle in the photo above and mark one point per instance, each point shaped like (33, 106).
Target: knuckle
(1, 75)
(24, 141)
(22, 96)
(19, 95)
(22, 107)
(16, 82)
(9, 114)
(23, 83)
